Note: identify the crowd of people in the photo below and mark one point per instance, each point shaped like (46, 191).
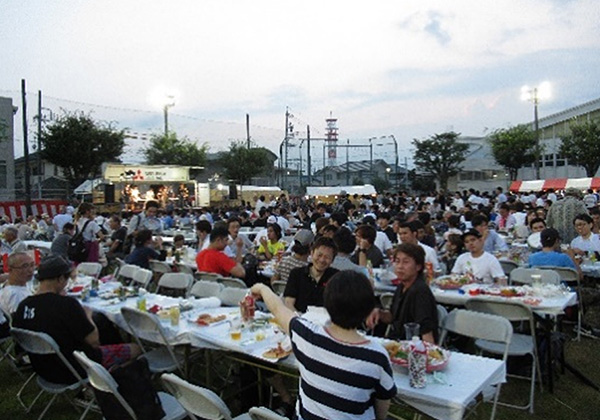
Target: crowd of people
(324, 254)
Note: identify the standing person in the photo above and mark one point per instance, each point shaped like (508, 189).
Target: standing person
(65, 215)
(60, 244)
(91, 232)
(305, 285)
(562, 213)
(413, 300)
(67, 322)
(343, 375)
(146, 220)
(483, 266)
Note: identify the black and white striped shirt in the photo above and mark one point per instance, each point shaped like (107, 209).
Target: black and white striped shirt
(338, 380)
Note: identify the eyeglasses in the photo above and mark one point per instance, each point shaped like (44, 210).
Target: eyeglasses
(30, 265)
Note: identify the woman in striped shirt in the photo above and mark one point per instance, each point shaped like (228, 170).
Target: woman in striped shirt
(344, 375)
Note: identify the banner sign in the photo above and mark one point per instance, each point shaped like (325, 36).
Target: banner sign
(146, 173)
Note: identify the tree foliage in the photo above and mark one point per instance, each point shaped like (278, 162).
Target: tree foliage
(381, 184)
(582, 146)
(514, 148)
(241, 163)
(170, 150)
(80, 145)
(441, 156)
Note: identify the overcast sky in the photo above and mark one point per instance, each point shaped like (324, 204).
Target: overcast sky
(407, 68)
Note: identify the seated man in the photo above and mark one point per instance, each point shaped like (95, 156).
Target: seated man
(483, 266)
(492, 241)
(214, 260)
(365, 241)
(549, 255)
(21, 267)
(305, 285)
(67, 322)
(408, 234)
(413, 300)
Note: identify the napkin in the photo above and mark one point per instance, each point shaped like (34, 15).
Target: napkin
(209, 302)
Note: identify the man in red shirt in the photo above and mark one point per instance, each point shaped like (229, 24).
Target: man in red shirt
(214, 260)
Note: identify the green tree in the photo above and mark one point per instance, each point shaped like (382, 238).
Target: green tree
(582, 146)
(80, 145)
(170, 150)
(514, 148)
(440, 156)
(241, 163)
(380, 184)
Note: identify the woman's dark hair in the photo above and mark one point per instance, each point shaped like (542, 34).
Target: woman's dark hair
(178, 238)
(367, 232)
(84, 208)
(348, 298)
(585, 217)
(413, 251)
(276, 228)
(456, 240)
(142, 237)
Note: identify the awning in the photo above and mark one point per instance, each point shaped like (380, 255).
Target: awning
(515, 186)
(366, 189)
(534, 185)
(581, 183)
(87, 186)
(556, 183)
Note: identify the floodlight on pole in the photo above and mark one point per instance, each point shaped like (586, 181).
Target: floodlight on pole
(533, 95)
(165, 99)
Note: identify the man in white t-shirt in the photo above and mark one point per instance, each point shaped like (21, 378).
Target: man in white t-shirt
(482, 265)
(21, 267)
(407, 233)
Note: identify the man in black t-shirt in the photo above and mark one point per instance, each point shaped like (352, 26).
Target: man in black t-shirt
(117, 238)
(305, 285)
(67, 322)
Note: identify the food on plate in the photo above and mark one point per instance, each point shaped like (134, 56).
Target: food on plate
(532, 301)
(452, 282)
(206, 319)
(510, 292)
(437, 357)
(277, 352)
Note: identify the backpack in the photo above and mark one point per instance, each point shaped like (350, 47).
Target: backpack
(77, 251)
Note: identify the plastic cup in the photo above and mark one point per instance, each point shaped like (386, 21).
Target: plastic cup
(412, 329)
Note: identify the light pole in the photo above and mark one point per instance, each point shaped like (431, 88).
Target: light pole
(534, 95)
(395, 157)
(169, 103)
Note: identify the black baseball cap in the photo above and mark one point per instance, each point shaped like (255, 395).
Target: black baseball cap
(471, 232)
(52, 267)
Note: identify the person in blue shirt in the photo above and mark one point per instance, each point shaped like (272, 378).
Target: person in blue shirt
(493, 242)
(549, 256)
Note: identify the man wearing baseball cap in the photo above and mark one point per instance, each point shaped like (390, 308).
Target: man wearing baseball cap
(482, 265)
(67, 322)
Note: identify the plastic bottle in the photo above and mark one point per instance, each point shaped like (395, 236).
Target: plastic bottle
(141, 302)
(417, 363)
(370, 270)
(247, 308)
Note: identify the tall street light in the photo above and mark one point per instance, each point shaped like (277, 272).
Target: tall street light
(395, 156)
(169, 103)
(534, 94)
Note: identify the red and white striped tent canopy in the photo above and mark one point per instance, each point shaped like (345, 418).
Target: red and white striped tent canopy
(555, 183)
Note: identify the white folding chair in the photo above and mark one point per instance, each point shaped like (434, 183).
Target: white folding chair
(231, 296)
(184, 268)
(233, 282)
(263, 413)
(523, 276)
(386, 300)
(203, 275)
(571, 277)
(198, 401)
(126, 272)
(141, 277)
(146, 326)
(7, 345)
(203, 288)
(520, 345)
(174, 284)
(483, 327)
(279, 287)
(103, 381)
(159, 268)
(91, 269)
(42, 344)
(442, 313)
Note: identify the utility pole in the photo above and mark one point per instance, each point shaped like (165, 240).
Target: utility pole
(308, 154)
(39, 144)
(248, 129)
(285, 141)
(348, 162)
(26, 150)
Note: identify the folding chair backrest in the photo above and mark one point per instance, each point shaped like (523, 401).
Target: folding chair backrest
(386, 300)
(205, 288)
(90, 269)
(523, 276)
(231, 296)
(263, 413)
(102, 380)
(160, 267)
(199, 401)
(508, 266)
(569, 275)
(442, 313)
(172, 284)
(478, 325)
(126, 272)
(233, 282)
(513, 311)
(279, 287)
(203, 275)
(141, 277)
(41, 344)
(143, 325)
(183, 268)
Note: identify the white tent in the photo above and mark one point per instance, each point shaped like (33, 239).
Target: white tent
(347, 189)
(87, 186)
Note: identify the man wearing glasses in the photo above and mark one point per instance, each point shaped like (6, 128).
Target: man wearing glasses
(21, 267)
